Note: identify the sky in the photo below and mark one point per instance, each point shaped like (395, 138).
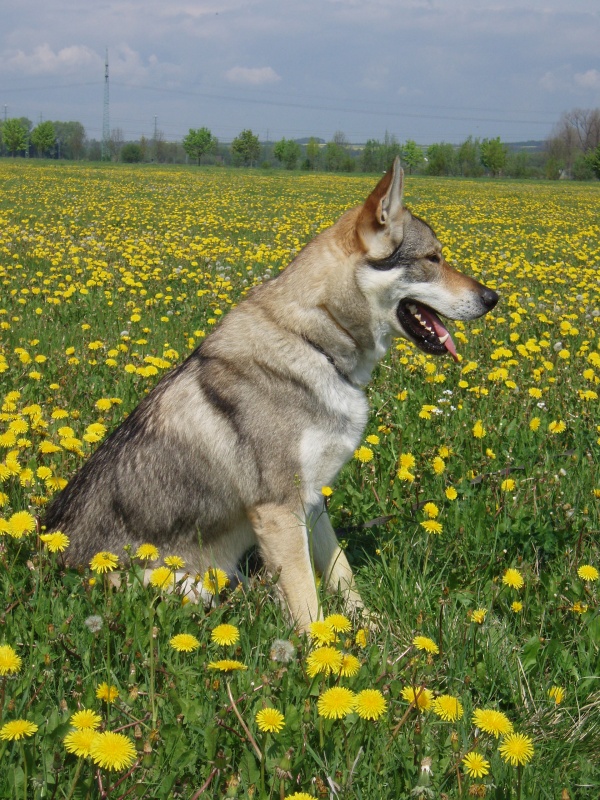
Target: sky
(428, 70)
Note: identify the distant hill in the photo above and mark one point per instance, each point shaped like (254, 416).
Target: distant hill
(531, 146)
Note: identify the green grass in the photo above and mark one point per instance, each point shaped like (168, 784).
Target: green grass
(140, 264)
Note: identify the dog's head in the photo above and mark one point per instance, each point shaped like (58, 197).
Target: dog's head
(404, 275)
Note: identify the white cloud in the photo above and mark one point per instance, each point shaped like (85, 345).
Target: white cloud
(589, 79)
(252, 76)
(43, 60)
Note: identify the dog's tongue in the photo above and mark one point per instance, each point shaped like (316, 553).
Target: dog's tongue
(432, 318)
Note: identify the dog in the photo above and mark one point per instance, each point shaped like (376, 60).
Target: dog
(232, 448)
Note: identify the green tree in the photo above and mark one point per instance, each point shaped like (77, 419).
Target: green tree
(468, 157)
(70, 139)
(198, 142)
(14, 135)
(412, 155)
(43, 137)
(595, 161)
(313, 151)
(372, 158)
(493, 155)
(288, 152)
(131, 153)
(441, 159)
(245, 148)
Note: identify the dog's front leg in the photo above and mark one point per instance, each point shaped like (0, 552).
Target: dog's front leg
(283, 542)
(330, 560)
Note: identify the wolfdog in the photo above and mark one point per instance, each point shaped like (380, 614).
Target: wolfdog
(233, 447)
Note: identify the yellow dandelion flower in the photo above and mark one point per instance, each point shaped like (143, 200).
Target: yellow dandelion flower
(588, 573)
(517, 607)
(479, 430)
(162, 578)
(451, 493)
(363, 454)
(112, 751)
(373, 439)
(324, 659)
(56, 542)
(475, 765)
(579, 608)
(432, 526)
(492, 721)
(225, 634)
(17, 729)
(174, 562)
(339, 623)
(478, 615)
(557, 693)
(350, 666)
(516, 749)
(85, 719)
(439, 465)
(147, 552)
(326, 491)
(362, 638)
(431, 510)
(447, 707)
(104, 562)
(557, 426)
(270, 720)
(299, 796)
(513, 578)
(370, 704)
(20, 523)
(215, 580)
(507, 485)
(336, 703)
(79, 742)
(321, 632)
(10, 662)
(425, 643)
(184, 643)
(227, 665)
(403, 474)
(107, 693)
(407, 461)
(420, 697)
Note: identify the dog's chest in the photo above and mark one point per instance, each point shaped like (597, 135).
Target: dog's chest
(328, 444)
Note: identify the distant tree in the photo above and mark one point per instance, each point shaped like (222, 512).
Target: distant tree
(70, 139)
(43, 137)
(198, 142)
(131, 153)
(577, 133)
(391, 149)
(412, 155)
(14, 135)
(372, 158)
(595, 161)
(313, 151)
(245, 148)
(468, 158)
(116, 143)
(288, 152)
(493, 155)
(336, 155)
(441, 159)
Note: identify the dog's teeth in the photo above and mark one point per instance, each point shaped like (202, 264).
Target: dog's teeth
(444, 338)
(413, 309)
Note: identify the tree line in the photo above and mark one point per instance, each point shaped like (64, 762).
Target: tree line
(572, 150)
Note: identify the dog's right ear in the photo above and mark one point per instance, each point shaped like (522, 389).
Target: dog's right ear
(382, 210)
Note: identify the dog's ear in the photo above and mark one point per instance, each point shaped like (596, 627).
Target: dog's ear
(382, 210)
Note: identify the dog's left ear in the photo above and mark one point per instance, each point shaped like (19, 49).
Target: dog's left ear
(382, 210)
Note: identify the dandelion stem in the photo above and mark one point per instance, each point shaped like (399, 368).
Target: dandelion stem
(75, 779)
(256, 748)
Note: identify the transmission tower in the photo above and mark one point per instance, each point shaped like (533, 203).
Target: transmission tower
(105, 117)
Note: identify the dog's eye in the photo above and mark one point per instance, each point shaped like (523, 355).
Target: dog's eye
(435, 257)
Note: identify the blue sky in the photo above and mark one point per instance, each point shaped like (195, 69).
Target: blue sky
(429, 70)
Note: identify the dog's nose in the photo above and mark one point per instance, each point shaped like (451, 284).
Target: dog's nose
(490, 298)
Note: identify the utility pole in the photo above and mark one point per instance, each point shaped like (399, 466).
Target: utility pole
(156, 138)
(105, 152)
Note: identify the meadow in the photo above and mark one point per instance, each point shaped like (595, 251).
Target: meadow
(470, 512)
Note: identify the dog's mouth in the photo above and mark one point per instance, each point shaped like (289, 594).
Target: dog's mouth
(423, 327)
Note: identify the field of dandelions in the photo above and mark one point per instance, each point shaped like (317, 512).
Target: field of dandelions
(470, 511)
